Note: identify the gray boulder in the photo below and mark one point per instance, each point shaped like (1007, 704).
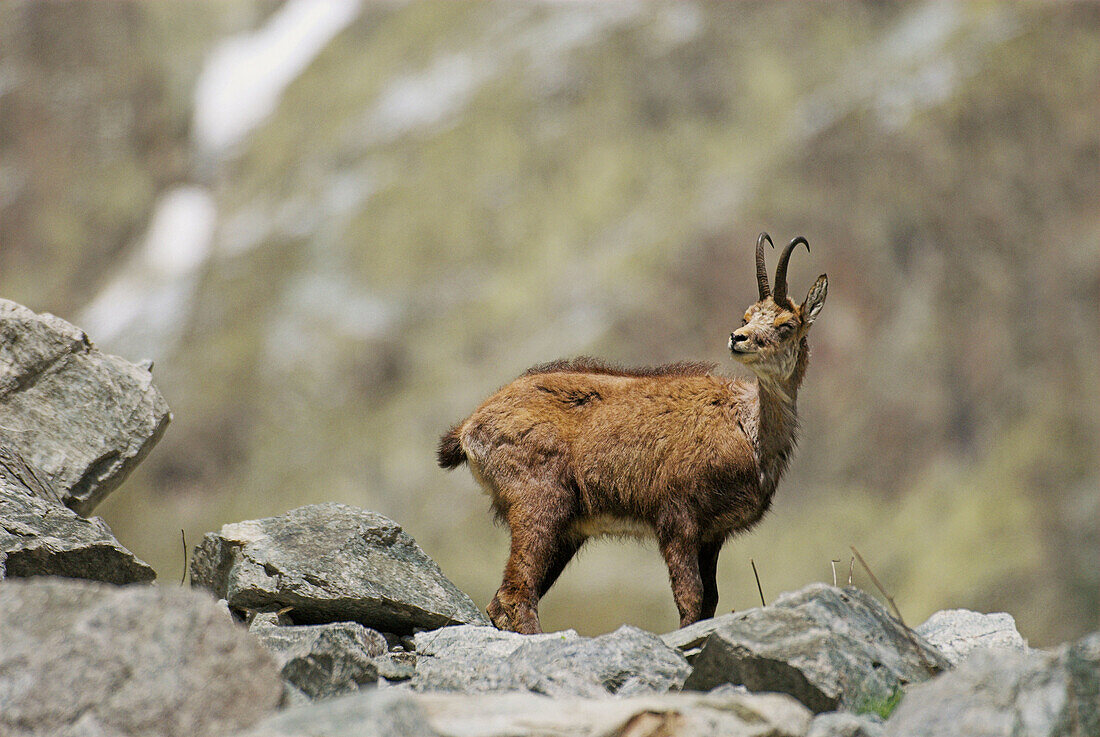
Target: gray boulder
(390, 713)
(957, 632)
(85, 658)
(40, 538)
(1008, 693)
(322, 660)
(830, 648)
(82, 418)
(331, 563)
(480, 659)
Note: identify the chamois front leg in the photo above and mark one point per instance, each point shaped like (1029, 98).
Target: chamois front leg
(708, 571)
(680, 548)
(535, 553)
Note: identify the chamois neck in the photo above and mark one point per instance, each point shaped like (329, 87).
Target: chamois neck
(777, 421)
(784, 392)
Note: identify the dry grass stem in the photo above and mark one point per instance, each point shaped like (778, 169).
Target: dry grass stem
(183, 539)
(758, 587)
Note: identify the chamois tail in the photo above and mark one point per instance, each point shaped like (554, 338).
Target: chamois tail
(450, 454)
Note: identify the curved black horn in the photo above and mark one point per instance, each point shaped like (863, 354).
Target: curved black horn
(781, 269)
(761, 269)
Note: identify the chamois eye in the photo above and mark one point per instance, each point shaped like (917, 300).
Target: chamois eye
(744, 322)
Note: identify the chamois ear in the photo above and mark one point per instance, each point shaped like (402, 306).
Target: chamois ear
(815, 300)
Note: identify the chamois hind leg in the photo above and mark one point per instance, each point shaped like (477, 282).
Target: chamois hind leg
(567, 547)
(708, 571)
(536, 537)
(680, 549)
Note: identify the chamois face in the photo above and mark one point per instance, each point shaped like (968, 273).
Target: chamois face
(771, 332)
(767, 341)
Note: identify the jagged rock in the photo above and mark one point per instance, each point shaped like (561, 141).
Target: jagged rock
(40, 538)
(395, 713)
(957, 632)
(689, 640)
(331, 563)
(830, 648)
(471, 658)
(845, 724)
(85, 658)
(626, 662)
(1008, 693)
(323, 660)
(80, 417)
(481, 659)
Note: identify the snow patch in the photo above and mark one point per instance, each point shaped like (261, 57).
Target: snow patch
(140, 308)
(321, 311)
(918, 65)
(245, 75)
(422, 100)
(428, 99)
(921, 33)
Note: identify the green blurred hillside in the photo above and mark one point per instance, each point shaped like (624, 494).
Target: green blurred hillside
(449, 193)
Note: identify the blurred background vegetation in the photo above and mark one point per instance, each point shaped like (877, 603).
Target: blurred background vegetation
(337, 227)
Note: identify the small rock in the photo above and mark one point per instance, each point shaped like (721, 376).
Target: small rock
(82, 418)
(273, 619)
(87, 658)
(322, 660)
(40, 538)
(1008, 693)
(331, 563)
(830, 648)
(396, 666)
(845, 724)
(726, 689)
(957, 632)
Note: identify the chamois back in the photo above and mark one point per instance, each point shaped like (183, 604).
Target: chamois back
(589, 365)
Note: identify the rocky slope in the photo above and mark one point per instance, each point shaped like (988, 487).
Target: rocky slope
(88, 658)
(331, 620)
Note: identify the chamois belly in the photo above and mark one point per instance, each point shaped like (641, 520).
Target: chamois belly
(599, 525)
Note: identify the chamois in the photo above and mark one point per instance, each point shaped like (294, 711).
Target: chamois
(578, 448)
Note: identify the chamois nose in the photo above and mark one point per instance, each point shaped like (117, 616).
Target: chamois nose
(735, 339)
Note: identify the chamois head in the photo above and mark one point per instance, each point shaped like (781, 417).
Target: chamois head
(770, 337)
